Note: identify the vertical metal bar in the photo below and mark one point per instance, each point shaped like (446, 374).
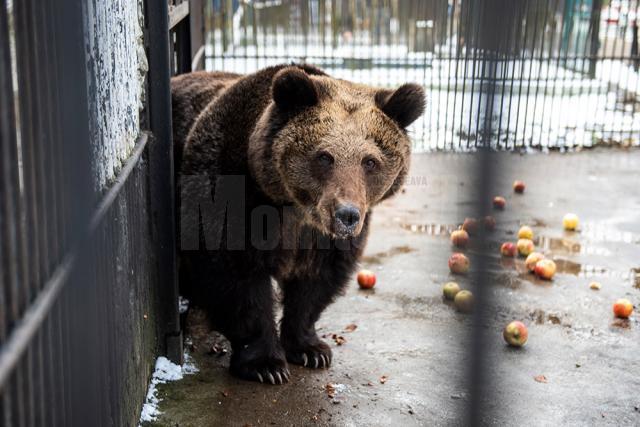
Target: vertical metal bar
(197, 31)
(79, 293)
(548, 60)
(469, 7)
(523, 47)
(6, 416)
(450, 59)
(17, 386)
(161, 179)
(477, 55)
(29, 391)
(505, 61)
(530, 78)
(479, 384)
(585, 56)
(9, 186)
(26, 219)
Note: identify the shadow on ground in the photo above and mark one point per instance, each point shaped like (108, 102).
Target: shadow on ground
(403, 361)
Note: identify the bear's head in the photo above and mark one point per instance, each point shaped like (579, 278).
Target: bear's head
(332, 148)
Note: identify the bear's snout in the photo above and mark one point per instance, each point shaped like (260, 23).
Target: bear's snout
(347, 218)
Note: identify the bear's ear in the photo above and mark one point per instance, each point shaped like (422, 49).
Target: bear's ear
(404, 105)
(292, 89)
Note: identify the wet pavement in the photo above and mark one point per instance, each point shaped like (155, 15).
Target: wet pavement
(405, 351)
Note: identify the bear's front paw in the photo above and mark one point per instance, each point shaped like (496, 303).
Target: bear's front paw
(260, 364)
(316, 354)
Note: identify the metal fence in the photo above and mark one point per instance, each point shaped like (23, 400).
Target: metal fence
(88, 293)
(510, 74)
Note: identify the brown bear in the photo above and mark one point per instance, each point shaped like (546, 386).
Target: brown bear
(278, 173)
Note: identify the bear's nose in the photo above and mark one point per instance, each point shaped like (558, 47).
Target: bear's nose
(348, 215)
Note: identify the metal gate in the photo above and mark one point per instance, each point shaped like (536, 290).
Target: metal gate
(545, 74)
(88, 293)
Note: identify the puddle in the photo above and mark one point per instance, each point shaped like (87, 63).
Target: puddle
(558, 245)
(602, 233)
(380, 256)
(430, 229)
(569, 246)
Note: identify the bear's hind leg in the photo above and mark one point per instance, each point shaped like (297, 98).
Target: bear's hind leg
(246, 311)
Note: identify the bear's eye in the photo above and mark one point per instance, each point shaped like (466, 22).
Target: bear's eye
(369, 164)
(325, 159)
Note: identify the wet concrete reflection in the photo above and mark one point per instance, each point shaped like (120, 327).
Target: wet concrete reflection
(379, 257)
(430, 229)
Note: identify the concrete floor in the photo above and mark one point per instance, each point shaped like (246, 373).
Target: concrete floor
(406, 333)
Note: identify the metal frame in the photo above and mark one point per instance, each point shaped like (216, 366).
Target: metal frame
(550, 55)
(68, 331)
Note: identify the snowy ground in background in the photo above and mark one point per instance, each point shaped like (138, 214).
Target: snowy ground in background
(536, 103)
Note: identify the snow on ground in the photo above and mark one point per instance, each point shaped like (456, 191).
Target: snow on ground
(165, 371)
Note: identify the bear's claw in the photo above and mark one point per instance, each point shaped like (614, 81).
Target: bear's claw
(275, 376)
(313, 356)
(250, 365)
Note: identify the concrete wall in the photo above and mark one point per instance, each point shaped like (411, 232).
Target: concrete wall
(117, 67)
(127, 276)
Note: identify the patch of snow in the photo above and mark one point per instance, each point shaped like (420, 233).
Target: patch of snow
(165, 371)
(189, 367)
(183, 304)
(339, 388)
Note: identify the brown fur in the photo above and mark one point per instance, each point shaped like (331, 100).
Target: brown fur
(309, 145)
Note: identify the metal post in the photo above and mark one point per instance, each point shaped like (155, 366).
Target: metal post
(161, 178)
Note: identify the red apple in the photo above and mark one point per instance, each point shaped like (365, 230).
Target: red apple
(464, 301)
(545, 269)
(508, 249)
(459, 238)
(449, 290)
(515, 334)
(622, 308)
(458, 263)
(366, 279)
(518, 187)
(489, 223)
(470, 225)
(532, 260)
(499, 202)
(525, 247)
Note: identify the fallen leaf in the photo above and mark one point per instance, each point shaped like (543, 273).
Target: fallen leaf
(540, 379)
(351, 327)
(383, 379)
(331, 390)
(339, 339)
